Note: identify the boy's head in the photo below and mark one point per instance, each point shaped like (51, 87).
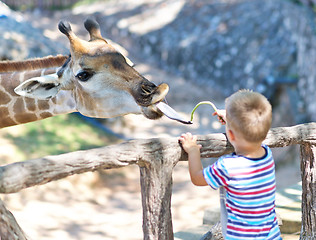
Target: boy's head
(250, 114)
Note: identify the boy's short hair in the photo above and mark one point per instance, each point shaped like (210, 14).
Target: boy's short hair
(250, 114)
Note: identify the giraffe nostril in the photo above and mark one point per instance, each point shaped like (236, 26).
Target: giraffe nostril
(146, 90)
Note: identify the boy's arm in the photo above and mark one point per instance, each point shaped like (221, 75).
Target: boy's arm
(195, 166)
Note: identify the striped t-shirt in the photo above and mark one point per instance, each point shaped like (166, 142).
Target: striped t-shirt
(249, 197)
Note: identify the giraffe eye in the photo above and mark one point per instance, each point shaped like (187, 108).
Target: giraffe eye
(84, 76)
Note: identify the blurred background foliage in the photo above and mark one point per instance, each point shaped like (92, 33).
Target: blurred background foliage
(55, 135)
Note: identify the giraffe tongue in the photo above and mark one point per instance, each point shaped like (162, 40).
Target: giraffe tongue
(171, 113)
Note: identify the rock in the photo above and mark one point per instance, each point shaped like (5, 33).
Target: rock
(227, 45)
(19, 40)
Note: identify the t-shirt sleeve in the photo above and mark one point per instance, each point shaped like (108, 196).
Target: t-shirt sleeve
(216, 174)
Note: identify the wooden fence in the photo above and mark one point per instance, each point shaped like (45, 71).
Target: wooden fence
(156, 159)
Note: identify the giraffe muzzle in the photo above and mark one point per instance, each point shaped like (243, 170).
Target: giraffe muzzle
(158, 107)
(160, 93)
(148, 93)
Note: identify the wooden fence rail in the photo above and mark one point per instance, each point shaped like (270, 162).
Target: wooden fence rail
(156, 159)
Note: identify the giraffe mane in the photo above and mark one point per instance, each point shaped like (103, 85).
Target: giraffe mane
(32, 64)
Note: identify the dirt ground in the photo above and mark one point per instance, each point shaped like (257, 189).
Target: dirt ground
(107, 204)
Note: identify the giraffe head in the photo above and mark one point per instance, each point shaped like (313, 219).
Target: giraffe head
(102, 82)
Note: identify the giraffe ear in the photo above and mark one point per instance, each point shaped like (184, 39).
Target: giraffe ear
(43, 88)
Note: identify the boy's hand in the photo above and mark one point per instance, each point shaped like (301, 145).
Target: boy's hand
(221, 114)
(189, 142)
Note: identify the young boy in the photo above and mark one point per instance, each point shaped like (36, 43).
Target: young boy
(247, 176)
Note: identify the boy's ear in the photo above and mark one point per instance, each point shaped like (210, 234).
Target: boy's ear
(231, 135)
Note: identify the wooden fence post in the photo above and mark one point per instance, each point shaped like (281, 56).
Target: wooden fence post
(156, 183)
(308, 171)
(9, 228)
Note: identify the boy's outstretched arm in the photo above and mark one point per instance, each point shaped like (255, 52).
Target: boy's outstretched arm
(195, 166)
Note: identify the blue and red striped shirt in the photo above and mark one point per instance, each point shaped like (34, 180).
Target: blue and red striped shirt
(249, 197)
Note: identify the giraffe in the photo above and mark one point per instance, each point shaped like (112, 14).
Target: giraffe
(95, 80)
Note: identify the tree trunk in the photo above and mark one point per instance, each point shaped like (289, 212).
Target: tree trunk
(9, 228)
(308, 169)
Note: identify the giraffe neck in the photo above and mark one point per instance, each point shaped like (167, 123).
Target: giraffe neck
(15, 109)
(32, 64)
